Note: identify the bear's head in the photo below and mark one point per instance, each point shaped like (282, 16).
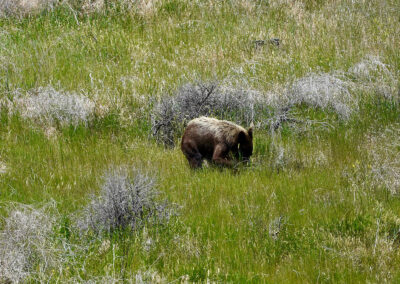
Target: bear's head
(245, 140)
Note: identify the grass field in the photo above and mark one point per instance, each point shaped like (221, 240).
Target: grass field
(79, 85)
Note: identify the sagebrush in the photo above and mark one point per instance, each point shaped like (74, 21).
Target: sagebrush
(48, 106)
(24, 7)
(127, 201)
(171, 114)
(27, 248)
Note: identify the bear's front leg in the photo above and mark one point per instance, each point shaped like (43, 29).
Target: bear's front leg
(192, 154)
(220, 156)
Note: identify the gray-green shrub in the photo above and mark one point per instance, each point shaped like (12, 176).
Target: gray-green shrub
(128, 200)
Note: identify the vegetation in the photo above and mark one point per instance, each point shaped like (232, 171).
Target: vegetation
(84, 84)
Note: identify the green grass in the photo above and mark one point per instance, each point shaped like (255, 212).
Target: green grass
(321, 187)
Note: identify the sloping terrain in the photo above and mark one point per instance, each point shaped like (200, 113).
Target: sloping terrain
(94, 96)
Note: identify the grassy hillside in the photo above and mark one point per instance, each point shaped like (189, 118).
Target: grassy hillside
(84, 83)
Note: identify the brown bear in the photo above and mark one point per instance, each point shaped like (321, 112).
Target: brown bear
(214, 140)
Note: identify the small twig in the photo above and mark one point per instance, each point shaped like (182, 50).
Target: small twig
(212, 88)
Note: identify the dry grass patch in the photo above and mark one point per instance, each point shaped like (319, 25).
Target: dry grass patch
(145, 8)
(373, 76)
(376, 258)
(323, 91)
(24, 7)
(3, 167)
(27, 249)
(50, 107)
(139, 277)
(384, 155)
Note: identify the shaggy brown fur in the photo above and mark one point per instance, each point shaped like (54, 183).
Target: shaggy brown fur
(213, 139)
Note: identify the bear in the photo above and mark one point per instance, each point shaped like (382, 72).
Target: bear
(216, 141)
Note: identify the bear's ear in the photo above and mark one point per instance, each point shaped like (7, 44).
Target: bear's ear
(250, 132)
(241, 137)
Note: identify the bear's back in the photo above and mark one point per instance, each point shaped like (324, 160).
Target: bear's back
(221, 130)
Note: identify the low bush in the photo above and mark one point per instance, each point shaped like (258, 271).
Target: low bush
(371, 75)
(127, 201)
(171, 114)
(325, 91)
(27, 249)
(49, 106)
(336, 92)
(24, 7)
